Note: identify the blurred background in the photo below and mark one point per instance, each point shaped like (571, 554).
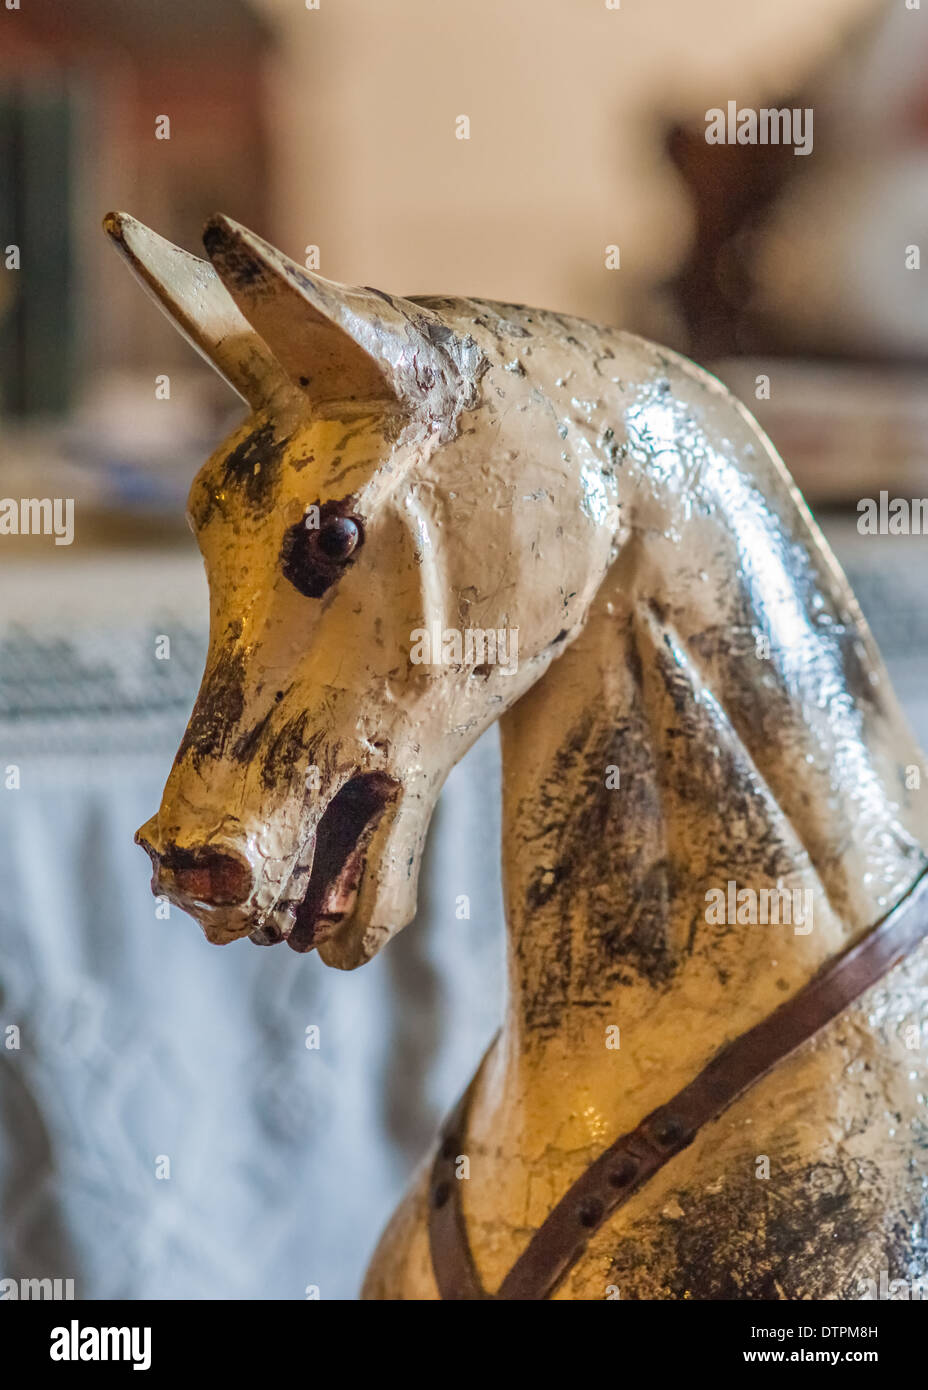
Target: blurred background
(125, 1039)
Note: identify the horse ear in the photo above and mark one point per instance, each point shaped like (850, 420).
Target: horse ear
(192, 295)
(340, 343)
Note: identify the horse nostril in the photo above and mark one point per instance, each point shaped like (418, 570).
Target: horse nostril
(208, 876)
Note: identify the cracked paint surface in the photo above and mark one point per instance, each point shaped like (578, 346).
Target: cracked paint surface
(681, 619)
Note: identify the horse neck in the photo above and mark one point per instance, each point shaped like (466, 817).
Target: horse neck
(660, 757)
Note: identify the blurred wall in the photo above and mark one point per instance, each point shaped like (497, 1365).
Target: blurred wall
(567, 104)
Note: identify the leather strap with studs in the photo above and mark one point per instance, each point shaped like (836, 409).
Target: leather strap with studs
(635, 1157)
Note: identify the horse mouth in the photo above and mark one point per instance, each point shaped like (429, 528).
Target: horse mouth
(339, 852)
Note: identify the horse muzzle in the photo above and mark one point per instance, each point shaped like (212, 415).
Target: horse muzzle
(219, 884)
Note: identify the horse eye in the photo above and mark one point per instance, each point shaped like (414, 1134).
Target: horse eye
(338, 537)
(314, 558)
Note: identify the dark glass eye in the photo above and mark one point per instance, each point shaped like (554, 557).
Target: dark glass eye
(338, 537)
(313, 558)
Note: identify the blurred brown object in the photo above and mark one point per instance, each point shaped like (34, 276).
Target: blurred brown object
(802, 271)
(731, 188)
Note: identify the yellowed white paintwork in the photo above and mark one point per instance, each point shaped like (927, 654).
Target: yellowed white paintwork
(681, 619)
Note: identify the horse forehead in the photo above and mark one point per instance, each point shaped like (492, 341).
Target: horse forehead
(271, 463)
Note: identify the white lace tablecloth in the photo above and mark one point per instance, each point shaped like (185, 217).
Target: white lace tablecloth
(140, 1042)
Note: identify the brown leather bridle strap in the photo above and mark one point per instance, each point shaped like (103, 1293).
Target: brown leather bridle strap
(455, 1272)
(635, 1157)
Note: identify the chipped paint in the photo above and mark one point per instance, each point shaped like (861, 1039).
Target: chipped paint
(618, 507)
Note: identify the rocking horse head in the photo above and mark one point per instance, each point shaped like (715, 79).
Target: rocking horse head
(398, 544)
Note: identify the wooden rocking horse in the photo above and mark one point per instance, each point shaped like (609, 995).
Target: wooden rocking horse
(685, 1100)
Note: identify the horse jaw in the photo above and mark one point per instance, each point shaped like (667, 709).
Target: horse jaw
(387, 893)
